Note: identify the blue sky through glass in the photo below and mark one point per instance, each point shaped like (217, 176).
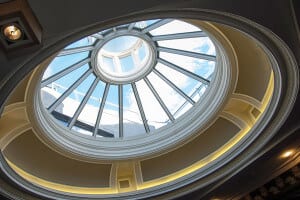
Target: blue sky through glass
(201, 67)
(62, 84)
(155, 115)
(127, 64)
(142, 52)
(120, 44)
(204, 45)
(62, 62)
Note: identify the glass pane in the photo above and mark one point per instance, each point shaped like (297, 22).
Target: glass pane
(198, 92)
(120, 44)
(174, 26)
(170, 97)
(110, 116)
(133, 124)
(185, 83)
(81, 43)
(155, 115)
(127, 64)
(108, 63)
(198, 45)
(54, 90)
(71, 103)
(62, 62)
(201, 67)
(91, 109)
(182, 109)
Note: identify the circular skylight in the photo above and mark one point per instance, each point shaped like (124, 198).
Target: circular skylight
(129, 80)
(124, 58)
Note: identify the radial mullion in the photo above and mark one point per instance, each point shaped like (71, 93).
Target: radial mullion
(105, 93)
(140, 106)
(69, 90)
(83, 103)
(183, 71)
(130, 27)
(121, 128)
(179, 36)
(172, 85)
(117, 65)
(187, 53)
(156, 25)
(184, 104)
(192, 96)
(135, 58)
(75, 50)
(64, 72)
(160, 101)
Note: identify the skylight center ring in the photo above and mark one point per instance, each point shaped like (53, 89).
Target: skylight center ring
(117, 65)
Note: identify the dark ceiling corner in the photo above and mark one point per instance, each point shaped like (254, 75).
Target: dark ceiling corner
(17, 19)
(296, 5)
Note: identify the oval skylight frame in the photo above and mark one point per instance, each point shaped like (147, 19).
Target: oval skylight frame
(141, 72)
(87, 147)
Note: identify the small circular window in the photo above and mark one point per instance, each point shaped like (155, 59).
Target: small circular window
(123, 58)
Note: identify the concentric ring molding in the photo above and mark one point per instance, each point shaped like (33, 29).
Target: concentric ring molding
(235, 158)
